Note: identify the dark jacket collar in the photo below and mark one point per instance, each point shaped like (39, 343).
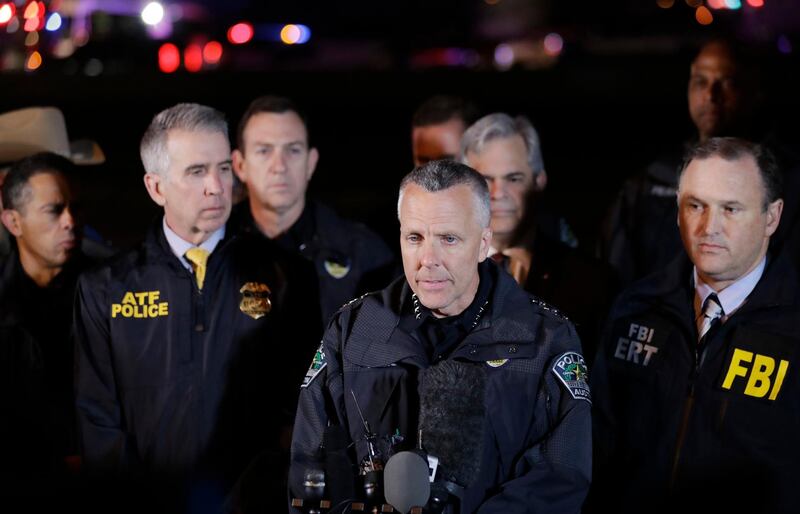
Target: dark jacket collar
(672, 290)
(376, 340)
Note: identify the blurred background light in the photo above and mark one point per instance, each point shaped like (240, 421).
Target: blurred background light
(169, 58)
(703, 16)
(784, 45)
(153, 13)
(553, 44)
(193, 58)
(53, 22)
(32, 39)
(32, 11)
(504, 56)
(34, 61)
(7, 12)
(295, 34)
(212, 52)
(240, 33)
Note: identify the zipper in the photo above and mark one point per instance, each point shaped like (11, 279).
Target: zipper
(688, 404)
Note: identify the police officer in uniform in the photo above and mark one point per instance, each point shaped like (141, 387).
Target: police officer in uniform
(37, 286)
(453, 304)
(696, 385)
(276, 162)
(174, 337)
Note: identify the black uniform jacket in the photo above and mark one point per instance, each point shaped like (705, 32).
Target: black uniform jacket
(169, 377)
(348, 258)
(37, 424)
(712, 431)
(537, 446)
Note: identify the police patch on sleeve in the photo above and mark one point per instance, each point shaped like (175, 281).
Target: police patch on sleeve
(317, 365)
(571, 370)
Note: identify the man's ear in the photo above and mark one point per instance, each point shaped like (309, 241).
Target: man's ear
(313, 159)
(774, 211)
(540, 181)
(153, 184)
(238, 165)
(486, 242)
(10, 218)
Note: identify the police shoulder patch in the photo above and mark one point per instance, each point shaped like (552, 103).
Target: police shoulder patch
(318, 363)
(571, 370)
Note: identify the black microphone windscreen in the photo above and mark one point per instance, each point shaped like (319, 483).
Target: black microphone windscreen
(405, 481)
(452, 412)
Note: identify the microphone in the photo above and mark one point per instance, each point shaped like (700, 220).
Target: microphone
(451, 423)
(405, 481)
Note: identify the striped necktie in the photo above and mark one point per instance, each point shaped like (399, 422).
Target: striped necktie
(712, 311)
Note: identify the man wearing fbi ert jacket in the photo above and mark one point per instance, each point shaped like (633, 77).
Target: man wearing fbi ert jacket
(453, 362)
(696, 385)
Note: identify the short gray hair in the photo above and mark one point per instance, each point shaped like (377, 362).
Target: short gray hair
(185, 116)
(501, 125)
(439, 175)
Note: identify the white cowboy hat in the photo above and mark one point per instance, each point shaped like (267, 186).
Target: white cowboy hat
(28, 131)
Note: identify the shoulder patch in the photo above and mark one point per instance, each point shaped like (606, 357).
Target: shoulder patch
(549, 308)
(571, 370)
(318, 363)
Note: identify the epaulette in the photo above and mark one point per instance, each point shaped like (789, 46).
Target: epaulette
(549, 308)
(354, 300)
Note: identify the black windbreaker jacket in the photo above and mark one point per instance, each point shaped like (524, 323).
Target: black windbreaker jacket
(169, 377)
(714, 430)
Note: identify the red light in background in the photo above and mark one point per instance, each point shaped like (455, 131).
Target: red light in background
(31, 24)
(169, 58)
(240, 33)
(212, 52)
(755, 3)
(193, 58)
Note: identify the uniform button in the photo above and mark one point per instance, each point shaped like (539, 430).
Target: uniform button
(512, 349)
(473, 351)
(199, 327)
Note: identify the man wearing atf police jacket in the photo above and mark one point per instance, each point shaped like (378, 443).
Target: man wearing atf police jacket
(173, 339)
(696, 386)
(525, 430)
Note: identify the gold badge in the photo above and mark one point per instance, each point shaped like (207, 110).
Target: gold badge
(255, 299)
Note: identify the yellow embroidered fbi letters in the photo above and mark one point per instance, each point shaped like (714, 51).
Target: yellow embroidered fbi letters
(143, 304)
(761, 372)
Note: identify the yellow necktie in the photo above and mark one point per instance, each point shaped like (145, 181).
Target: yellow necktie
(198, 257)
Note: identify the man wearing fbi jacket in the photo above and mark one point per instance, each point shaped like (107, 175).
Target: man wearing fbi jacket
(696, 385)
